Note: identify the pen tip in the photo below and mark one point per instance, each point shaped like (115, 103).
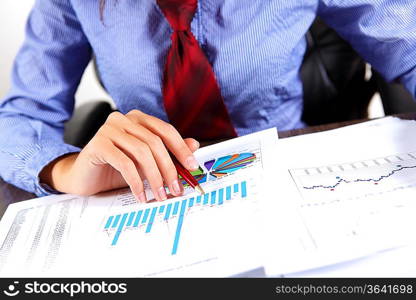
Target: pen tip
(199, 189)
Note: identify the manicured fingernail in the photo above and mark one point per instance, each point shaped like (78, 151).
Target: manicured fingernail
(176, 188)
(142, 197)
(162, 194)
(192, 163)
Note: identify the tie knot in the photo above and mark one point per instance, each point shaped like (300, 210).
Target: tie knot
(179, 13)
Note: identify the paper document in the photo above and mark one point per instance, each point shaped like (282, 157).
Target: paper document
(340, 202)
(346, 194)
(216, 234)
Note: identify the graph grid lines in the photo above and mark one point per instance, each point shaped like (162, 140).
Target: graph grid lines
(375, 180)
(371, 171)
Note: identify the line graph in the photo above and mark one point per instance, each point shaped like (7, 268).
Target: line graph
(364, 202)
(375, 180)
(356, 179)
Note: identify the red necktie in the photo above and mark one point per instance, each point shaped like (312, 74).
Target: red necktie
(191, 94)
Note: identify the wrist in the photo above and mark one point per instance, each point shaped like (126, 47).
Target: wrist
(57, 173)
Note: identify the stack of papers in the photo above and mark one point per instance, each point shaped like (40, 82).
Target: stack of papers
(347, 194)
(335, 203)
(215, 234)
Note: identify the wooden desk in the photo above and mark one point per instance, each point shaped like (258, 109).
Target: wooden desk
(10, 194)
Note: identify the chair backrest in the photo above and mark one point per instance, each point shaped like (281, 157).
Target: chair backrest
(395, 98)
(333, 75)
(85, 122)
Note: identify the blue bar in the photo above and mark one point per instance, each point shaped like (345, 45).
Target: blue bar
(205, 199)
(161, 209)
(220, 196)
(236, 188)
(198, 199)
(191, 202)
(167, 215)
(213, 197)
(136, 222)
(228, 193)
(175, 208)
(179, 227)
(120, 228)
(110, 219)
(243, 189)
(151, 220)
(146, 214)
(132, 214)
(115, 221)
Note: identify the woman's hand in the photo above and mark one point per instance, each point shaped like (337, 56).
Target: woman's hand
(126, 149)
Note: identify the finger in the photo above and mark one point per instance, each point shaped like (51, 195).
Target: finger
(161, 155)
(192, 144)
(170, 137)
(159, 152)
(142, 156)
(122, 163)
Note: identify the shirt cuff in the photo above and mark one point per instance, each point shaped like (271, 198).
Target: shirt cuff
(40, 160)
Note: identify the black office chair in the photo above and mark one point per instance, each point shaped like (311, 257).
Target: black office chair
(86, 121)
(395, 98)
(333, 75)
(335, 88)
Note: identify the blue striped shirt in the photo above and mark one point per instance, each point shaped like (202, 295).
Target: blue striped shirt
(255, 47)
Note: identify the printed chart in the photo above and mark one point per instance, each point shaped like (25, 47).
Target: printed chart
(196, 233)
(223, 166)
(354, 180)
(144, 219)
(358, 203)
(111, 234)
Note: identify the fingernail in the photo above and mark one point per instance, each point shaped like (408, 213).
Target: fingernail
(142, 197)
(162, 194)
(176, 188)
(192, 163)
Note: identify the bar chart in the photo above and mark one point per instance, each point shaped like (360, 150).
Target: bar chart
(175, 212)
